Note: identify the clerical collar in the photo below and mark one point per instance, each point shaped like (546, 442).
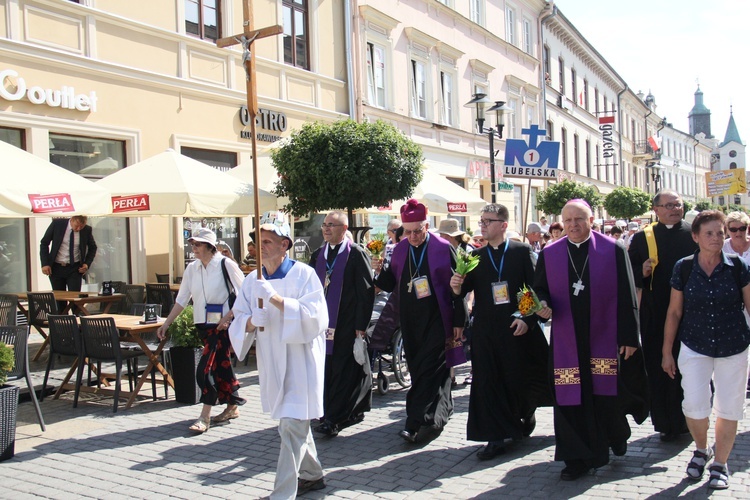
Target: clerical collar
(334, 248)
(281, 271)
(578, 245)
(502, 243)
(669, 226)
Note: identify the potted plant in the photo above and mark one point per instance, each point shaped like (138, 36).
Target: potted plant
(8, 404)
(185, 352)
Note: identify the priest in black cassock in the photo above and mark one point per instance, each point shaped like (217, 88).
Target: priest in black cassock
(672, 240)
(509, 354)
(586, 286)
(344, 270)
(432, 320)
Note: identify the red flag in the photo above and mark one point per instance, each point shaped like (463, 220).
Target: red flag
(655, 143)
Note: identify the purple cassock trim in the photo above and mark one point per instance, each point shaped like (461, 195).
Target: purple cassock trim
(602, 321)
(439, 261)
(335, 287)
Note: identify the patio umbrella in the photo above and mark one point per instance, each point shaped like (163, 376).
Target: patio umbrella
(176, 185)
(440, 196)
(34, 187)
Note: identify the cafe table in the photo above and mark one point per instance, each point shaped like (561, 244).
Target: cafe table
(131, 330)
(76, 303)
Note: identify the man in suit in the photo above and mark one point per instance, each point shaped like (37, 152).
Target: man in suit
(72, 252)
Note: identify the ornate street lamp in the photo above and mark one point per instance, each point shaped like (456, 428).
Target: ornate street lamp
(480, 101)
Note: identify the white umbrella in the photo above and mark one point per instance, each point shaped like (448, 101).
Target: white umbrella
(176, 185)
(34, 187)
(440, 196)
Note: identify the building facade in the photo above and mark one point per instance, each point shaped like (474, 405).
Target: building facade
(97, 85)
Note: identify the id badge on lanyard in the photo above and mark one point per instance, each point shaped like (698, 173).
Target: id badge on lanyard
(500, 292)
(422, 287)
(214, 313)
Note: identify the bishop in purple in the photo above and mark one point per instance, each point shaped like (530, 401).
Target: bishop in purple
(598, 375)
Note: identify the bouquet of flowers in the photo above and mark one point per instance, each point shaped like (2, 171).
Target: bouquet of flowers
(465, 261)
(376, 246)
(528, 302)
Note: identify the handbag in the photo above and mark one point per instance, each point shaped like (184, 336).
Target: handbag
(228, 283)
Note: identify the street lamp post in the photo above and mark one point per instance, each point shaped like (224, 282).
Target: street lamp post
(500, 108)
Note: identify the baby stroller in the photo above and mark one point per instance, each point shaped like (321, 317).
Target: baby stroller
(386, 345)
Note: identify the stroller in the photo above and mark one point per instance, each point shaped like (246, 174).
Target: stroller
(386, 345)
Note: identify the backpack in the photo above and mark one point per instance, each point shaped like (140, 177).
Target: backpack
(685, 271)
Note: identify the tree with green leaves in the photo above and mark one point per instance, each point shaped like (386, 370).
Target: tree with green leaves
(346, 165)
(626, 203)
(705, 205)
(552, 200)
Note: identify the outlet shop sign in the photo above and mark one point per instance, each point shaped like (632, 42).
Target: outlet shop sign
(13, 87)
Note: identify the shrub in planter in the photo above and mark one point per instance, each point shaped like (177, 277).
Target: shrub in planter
(8, 404)
(185, 353)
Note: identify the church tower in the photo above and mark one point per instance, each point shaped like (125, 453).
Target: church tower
(700, 116)
(731, 150)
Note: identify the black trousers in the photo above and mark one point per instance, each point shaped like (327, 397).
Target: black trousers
(66, 277)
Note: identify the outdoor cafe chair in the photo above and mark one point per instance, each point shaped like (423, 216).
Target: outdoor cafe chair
(160, 293)
(101, 342)
(18, 338)
(64, 340)
(116, 308)
(134, 294)
(137, 310)
(8, 309)
(162, 278)
(41, 305)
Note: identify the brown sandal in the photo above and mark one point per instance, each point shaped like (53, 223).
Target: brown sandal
(200, 426)
(227, 414)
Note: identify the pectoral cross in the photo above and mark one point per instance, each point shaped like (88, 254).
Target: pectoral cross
(578, 286)
(247, 39)
(408, 286)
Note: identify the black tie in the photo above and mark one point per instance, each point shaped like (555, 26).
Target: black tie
(72, 246)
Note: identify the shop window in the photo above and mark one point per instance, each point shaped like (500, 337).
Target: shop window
(87, 156)
(202, 19)
(296, 33)
(14, 235)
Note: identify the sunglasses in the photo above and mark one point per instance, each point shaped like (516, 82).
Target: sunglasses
(741, 229)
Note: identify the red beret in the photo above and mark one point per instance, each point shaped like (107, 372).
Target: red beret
(413, 211)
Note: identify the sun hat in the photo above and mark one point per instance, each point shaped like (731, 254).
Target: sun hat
(450, 228)
(204, 235)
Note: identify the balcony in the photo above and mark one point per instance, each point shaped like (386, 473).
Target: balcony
(642, 150)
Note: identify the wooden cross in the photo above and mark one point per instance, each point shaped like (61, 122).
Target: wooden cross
(247, 39)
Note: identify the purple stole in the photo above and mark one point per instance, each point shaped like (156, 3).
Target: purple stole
(439, 260)
(603, 320)
(335, 285)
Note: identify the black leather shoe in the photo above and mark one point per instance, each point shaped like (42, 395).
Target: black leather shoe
(529, 424)
(408, 436)
(574, 471)
(328, 429)
(620, 449)
(491, 450)
(668, 437)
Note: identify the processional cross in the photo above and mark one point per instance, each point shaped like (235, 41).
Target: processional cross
(247, 39)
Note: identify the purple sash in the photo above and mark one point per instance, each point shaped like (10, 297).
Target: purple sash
(439, 260)
(335, 286)
(603, 320)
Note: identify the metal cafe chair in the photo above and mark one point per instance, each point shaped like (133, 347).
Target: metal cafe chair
(8, 309)
(134, 294)
(101, 342)
(64, 340)
(41, 305)
(18, 337)
(160, 293)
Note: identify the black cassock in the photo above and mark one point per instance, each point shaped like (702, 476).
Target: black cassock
(586, 431)
(666, 393)
(509, 379)
(429, 400)
(348, 385)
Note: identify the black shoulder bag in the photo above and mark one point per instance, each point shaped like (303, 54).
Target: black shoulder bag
(228, 283)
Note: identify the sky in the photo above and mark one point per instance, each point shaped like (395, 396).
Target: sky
(671, 46)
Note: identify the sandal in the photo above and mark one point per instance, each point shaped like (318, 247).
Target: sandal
(200, 426)
(227, 414)
(719, 477)
(697, 464)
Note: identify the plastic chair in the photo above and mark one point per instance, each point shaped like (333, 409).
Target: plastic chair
(162, 278)
(41, 305)
(101, 342)
(18, 337)
(160, 293)
(64, 340)
(134, 294)
(8, 309)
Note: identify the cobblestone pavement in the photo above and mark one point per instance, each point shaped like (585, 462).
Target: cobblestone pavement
(147, 452)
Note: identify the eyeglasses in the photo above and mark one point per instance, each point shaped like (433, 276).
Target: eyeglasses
(329, 225)
(670, 206)
(487, 222)
(418, 231)
(741, 229)
(195, 244)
